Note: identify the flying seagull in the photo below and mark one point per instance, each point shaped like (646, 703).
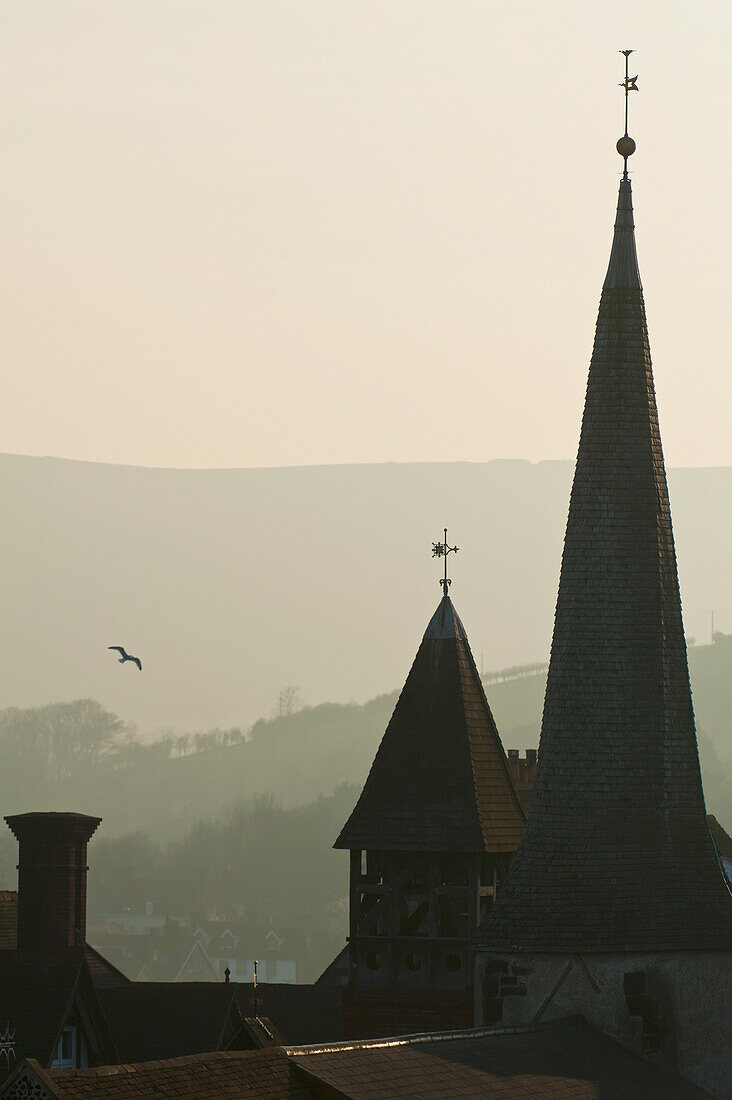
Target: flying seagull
(126, 656)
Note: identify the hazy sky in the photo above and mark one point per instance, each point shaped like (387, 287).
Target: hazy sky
(269, 232)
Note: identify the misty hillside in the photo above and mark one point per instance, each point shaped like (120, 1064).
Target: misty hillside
(294, 759)
(231, 584)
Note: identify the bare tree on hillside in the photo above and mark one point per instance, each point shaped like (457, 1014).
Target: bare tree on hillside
(288, 701)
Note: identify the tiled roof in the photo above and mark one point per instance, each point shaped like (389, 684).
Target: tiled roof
(563, 1060)
(103, 973)
(266, 1075)
(155, 1019)
(36, 994)
(439, 781)
(301, 1013)
(170, 1019)
(617, 853)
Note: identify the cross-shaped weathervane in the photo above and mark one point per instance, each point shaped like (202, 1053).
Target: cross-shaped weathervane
(441, 550)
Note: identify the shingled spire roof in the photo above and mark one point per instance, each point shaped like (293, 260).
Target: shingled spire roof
(439, 781)
(617, 854)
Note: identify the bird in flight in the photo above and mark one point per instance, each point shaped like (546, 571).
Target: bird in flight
(126, 656)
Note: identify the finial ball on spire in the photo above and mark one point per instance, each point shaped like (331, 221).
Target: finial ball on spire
(625, 146)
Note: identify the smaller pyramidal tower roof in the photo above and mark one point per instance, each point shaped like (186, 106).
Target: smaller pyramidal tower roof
(440, 780)
(617, 854)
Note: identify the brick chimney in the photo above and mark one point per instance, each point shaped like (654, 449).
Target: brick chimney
(514, 765)
(52, 879)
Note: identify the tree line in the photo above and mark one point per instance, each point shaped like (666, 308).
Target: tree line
(53, 742)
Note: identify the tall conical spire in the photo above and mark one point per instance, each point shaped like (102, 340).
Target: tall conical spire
(617, 853)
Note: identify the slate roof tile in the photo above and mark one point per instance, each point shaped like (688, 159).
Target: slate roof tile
(561, 1060)
(267, 1075)
(168, 1019)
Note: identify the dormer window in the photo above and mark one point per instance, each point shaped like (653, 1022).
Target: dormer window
(71, 1052)
(66, 1052)
(273, 941)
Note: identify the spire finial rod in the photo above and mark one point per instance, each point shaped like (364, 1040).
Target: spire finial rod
(626, 145)
(441, 550)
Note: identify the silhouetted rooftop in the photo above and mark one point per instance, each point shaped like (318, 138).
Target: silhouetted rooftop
(561, 1060)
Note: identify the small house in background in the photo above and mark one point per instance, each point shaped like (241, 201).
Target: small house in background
(188, 952)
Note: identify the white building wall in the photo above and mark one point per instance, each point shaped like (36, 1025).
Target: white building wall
(693, 991)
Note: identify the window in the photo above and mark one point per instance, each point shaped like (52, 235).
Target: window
(66, 1052)
(66, 1046)
(285, 971)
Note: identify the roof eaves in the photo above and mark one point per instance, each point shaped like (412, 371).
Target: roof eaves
(427, 1037)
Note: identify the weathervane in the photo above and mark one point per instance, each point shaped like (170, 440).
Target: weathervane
(626, 145)
(441, 550)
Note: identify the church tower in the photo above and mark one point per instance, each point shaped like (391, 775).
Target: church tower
(431, 838)
(615, 906)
